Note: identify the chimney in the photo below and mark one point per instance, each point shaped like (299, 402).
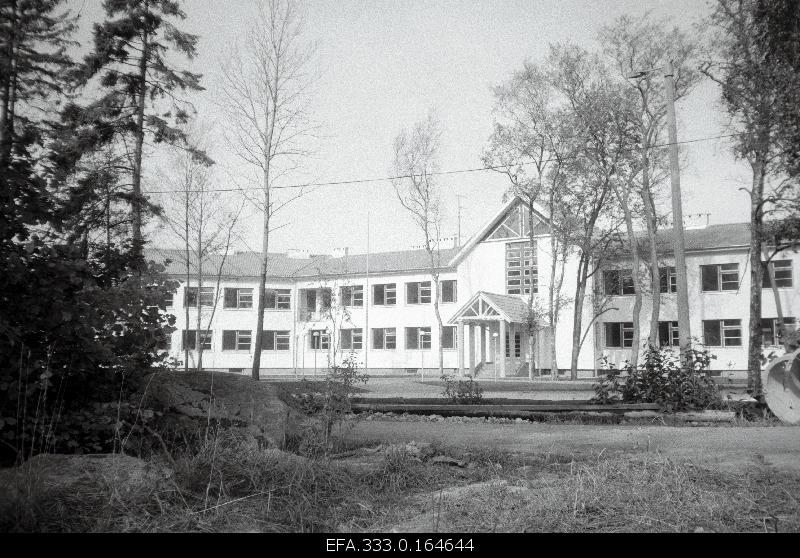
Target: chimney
(340, 252)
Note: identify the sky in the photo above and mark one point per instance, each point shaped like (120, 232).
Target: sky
(383, 65)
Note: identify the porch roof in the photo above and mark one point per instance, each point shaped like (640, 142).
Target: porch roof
(485, 306)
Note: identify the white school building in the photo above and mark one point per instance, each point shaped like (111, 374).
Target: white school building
(379, 306)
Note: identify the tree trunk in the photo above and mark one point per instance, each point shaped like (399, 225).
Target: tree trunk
(199, 288)
(262, 283)
(186, 289)
(655, 274)
(637, 289)
(532, 320)
(6, 97)
(580, 293)
(756, 277)
(551, 304)
(136, 201)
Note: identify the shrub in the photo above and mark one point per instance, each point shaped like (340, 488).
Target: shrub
(464, 392)
(661, 378)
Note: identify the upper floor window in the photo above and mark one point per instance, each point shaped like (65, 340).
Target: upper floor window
(236, 340)
(318, 339)
(238, 298)
(449, 288)
(168, 300)
(418, 338)
(418, 293)
(449, 337)
(719, 277)
(772, 333)
(206, 296)
(384, 295)
(352, 295)
(522, 272)
(668, 334)
(190, 340)
(783, 274)
(668, 280)
(722, 333)
(278, 299)
(275, 340)
(384, 338)
(618, 282)
(619, 334)
(351, 339)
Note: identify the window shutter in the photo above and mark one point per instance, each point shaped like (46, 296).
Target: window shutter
(228, 340)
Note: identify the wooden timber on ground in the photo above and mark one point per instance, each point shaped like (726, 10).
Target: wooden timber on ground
(528, 410)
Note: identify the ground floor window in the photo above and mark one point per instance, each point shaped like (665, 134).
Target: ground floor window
(418, 338)
(449, 337)
(668, 333)
(318, 339)
(275, 340)
(722, 333)
(236, 340)
(351, 339)
(772, 333)
(517, 345)
(190, 340)
(384, 338)
(618, 334)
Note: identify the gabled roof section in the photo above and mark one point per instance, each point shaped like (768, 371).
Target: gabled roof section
(508, 223)
(248, 264)
(492, 306)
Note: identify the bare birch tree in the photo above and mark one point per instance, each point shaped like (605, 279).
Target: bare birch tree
(264, 96)
(416, 159)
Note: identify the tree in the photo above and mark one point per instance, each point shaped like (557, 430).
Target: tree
(131, 55)
(416, 161)
(740, 62)
(636, 47)
(264, 99)
(528, 134)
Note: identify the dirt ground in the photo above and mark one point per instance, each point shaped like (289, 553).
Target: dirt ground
(722, 447)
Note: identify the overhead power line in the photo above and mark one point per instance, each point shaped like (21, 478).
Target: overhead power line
(439, 173)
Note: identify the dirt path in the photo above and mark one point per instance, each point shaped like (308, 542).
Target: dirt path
(724, 447)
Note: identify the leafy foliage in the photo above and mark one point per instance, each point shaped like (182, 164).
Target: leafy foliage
(467, 392)
(661, 378)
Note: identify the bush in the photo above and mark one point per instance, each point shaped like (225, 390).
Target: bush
(462, 392)
(661, 378)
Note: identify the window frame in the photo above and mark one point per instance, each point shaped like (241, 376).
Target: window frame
(239, 335)
(720, 272)
(453, 290)
(454, 338)
(418, 333)
(625, 332)
(723, 330)
(280, 297)
(776, 332)
(521, 268)
(324, 340)
(355, 336)
(386, 333)
(388, 291)
(783, 269)
(668, 280)
(204, 291)
(349, 295)
(421, 290)
(277, 338)
(672, 334)
(623, 283)
(207, 337)
(238, 291)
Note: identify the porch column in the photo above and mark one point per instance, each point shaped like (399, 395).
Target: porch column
(501, 348)
(460, 347)
(483, 344)
(471, 348)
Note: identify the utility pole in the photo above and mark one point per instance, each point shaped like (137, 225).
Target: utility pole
(458, 197)
(679, 245)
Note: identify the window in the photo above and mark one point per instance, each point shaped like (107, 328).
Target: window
(384, 338)
(618, 282)
(449, 337)
(169, 299)
(418, 293)
(319, 339)
(449, 288)
(236, 340)
(722, 333)
(206, 296)
(384, 295)
(668, 280)
(310, 299)
(278, 299)
(325, 299)
(719, 277)
(783, 274)
(418, 338)
(190, 340)
(238, 298)
(275, 340)
(668, 334)
(772, 333)
(352, 295)
(517, 345)
(351, 339)
(619, 334)
(522, 273)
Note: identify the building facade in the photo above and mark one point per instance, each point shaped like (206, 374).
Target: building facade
(379, 307)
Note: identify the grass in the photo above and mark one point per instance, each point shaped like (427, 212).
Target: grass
(227, 486)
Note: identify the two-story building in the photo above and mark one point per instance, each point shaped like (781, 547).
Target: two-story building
(379, 306)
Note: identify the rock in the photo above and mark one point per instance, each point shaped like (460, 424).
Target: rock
(128, 477)
(252, 409)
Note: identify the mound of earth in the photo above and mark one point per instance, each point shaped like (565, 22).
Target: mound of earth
(256, 410)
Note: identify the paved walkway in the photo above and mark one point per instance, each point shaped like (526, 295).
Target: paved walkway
(724, 446)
